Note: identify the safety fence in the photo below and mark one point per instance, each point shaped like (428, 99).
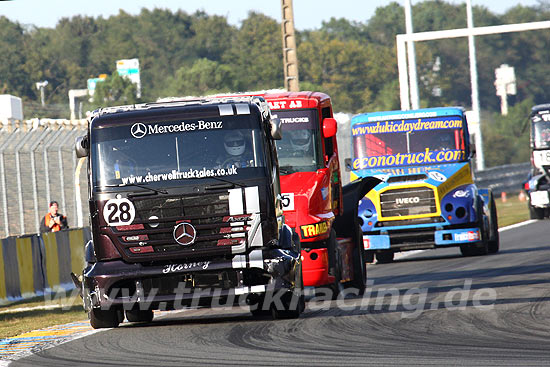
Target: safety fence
(38, 165)
(507, 178)
(34, 265)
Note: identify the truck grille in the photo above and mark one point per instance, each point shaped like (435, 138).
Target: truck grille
(407, 201)
(152, 232)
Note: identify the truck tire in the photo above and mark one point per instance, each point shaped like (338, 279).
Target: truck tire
(359, 280)
(100, 319)
(256, 309)
(481, 248)
(332, 246)
(369, 256)
(494, 241)
(536, 213)
(259, 313)
(293, 305)
(384, 257)
(139, 315)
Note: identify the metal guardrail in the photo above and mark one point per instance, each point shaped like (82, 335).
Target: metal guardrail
(37, 165)
(508, 178)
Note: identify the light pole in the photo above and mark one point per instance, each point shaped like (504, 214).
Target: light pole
(40, 86)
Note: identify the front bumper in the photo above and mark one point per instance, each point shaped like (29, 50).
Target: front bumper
(245, 278)
(539, 199)
(422, 239)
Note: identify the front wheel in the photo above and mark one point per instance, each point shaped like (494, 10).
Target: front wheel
(100, 319)
(139, 315)
(384, 257)
(494, 242)
(335, 264)
(293, 304)
(481, 248)
(536, 213)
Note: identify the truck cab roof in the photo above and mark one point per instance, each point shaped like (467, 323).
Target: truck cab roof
(540, 107)
(202, 107)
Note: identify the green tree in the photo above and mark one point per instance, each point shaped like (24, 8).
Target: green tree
(212, 36)
(113, 91)
(13, 79)
(256, 54)
(506, 138)
(204, 77)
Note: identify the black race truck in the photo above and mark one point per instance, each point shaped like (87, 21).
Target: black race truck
(185, 211)
(537, 186)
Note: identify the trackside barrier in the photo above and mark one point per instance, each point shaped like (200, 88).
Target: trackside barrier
(508, 178)
(33, 265)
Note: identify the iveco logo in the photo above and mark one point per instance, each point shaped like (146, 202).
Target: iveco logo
(411, 200)
(185, 234)
(138, 130)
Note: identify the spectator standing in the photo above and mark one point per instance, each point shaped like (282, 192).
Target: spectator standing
(53, 221)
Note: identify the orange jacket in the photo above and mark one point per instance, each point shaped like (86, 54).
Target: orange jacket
(48, 220)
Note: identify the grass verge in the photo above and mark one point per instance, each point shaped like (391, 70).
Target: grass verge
(40, 312)
(512, 211)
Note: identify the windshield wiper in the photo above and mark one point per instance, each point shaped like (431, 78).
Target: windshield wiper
(156, 191)
(227, 184)
(285, 171)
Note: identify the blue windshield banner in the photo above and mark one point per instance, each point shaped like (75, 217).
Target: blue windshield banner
(406, 126)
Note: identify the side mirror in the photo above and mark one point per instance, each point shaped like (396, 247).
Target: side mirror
(472, 151)
(276, 131)
(330, 126)
(81, 146)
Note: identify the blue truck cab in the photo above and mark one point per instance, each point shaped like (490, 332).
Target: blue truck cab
(427, 197)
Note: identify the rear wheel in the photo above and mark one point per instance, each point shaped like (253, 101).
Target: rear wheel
(139, 315)
(384, 257)
(100, 319)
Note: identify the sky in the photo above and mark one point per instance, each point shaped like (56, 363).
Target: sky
(308, 14)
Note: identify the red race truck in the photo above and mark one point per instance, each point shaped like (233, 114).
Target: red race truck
(315, 204)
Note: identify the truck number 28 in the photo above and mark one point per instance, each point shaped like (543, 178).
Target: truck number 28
(119, 212)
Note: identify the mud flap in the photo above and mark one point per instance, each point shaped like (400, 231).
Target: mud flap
(77, 283)
(346, 223)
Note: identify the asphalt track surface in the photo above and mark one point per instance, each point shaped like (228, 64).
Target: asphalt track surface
(491, 310)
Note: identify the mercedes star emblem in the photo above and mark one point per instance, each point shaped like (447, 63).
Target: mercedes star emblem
(185, 234)
(138, 130)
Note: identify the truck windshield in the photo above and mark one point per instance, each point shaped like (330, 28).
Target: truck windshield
(541, 133)
(167, 152)
(395, 143)
(299, 149)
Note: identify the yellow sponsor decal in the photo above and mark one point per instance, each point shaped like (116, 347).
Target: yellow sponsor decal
(462, 177)
(313, 230)
(400, 159)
